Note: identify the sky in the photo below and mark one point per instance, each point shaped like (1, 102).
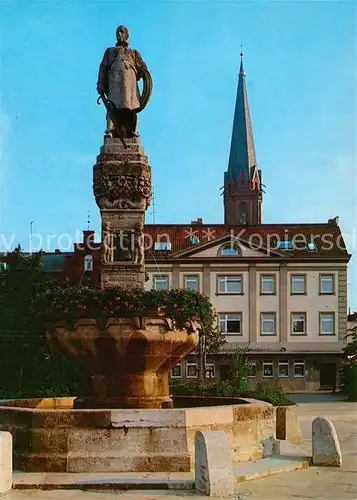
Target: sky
(300, 61)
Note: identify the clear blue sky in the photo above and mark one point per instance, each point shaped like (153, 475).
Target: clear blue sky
(300, 60)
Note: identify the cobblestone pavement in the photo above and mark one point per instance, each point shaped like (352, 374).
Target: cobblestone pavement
(321, 483)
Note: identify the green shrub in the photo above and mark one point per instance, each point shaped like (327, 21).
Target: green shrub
(349, 381)
(273, 395)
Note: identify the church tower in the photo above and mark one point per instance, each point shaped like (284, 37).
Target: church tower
(242, 181)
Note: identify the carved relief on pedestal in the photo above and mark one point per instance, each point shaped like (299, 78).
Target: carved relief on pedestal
(139, 244)
(122, 191)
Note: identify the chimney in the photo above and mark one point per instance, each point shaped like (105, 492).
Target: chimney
(88, 237)
(335, 221)
(197, 222)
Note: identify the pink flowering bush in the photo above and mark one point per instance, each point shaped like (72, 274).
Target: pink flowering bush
(70, 303)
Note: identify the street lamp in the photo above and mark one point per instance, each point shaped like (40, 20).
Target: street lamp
(31, 224)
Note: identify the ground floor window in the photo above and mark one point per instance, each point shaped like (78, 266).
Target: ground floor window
(268, 370)
(283, 369)
(176, 371)
(191, 370)
(252, 370)
(210, 370)
(299, 369)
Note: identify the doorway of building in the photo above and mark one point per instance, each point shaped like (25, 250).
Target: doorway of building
(328, 376)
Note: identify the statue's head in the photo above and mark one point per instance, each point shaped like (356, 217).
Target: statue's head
(122, 35)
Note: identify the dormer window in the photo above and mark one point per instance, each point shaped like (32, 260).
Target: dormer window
(162, 245)
(88, 263)
(285, 245)
(229, 250)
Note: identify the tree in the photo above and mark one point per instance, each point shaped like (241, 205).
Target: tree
(239, 364)
(27, 365)
(210, 342)
(349, 369)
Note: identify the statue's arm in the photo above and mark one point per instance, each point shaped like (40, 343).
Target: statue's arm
(102, 84)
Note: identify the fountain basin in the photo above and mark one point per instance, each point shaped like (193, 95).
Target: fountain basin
(126, 362)
(50, 436)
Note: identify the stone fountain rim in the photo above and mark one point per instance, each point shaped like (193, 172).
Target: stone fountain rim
(5, 404)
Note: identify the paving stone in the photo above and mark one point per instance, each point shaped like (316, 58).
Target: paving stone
(325, 445)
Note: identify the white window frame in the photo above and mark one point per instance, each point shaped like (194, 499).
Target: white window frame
(283, 363)
(229, 278)
(172, 369)
(321, 321)
(208, 367)
(189, 364)
(292, 320)
(267, 277)
(188, 277)
(88, 263)
(299, 363)
(298, 277)
(263, 320)
(237, 317)
(268, 363)
(326, 277)
(158, 278)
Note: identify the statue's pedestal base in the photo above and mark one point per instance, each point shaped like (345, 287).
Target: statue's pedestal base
(122, 188)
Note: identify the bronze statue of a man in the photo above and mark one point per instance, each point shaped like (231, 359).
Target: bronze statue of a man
(119, 73)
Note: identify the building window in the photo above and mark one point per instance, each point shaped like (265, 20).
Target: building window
(299, 369)
(162, 245)
(283, 369)
(161, 282)
(229, 249)
(210, 370)
(298, 323)
(327, 284)
(176, 371)
(268, 370)
(267, 324)
(192, 282)
(327, 323)
(231, 324)
(252, 369)
(267, 284)
(230, 284)
(88, 263)
(298, 284)
(191, 370)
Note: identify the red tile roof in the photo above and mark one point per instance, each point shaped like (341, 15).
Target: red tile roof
(327, 237)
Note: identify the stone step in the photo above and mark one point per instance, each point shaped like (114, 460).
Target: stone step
(243, 471)
(246, 471)
(101, 481)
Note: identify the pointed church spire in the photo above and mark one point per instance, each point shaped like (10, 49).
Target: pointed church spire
(242, 181)
(242, 154)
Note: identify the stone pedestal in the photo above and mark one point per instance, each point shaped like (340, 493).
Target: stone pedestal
(213, 465)
(5, 462)
(122, 189)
